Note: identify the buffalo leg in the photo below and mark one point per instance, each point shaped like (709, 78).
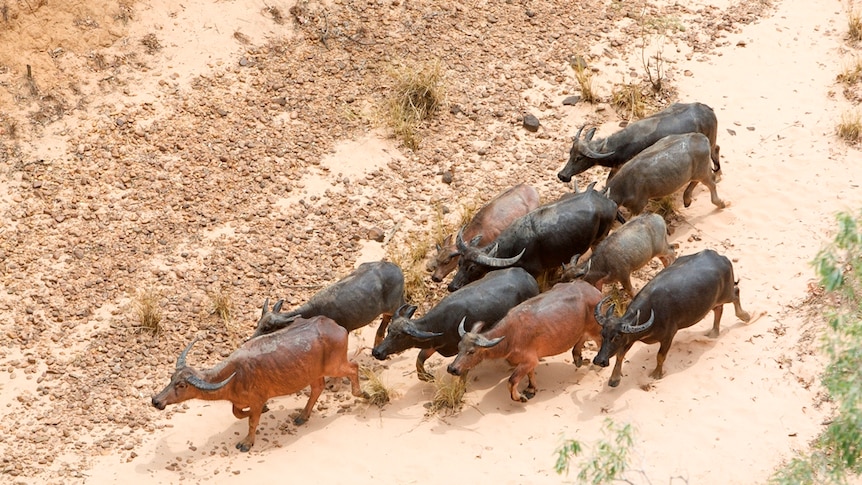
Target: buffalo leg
(627, 285)
(686, 196)
(316, 388)
(716, 322)
(737, 306)
(715, 155)
(523, 369)
(421, 373)
(253, 421)
(577, 350)
(351, 371)
(381, 330)
(617, 373)
(659, 359)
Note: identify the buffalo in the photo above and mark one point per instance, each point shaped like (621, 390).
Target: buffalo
(487, 300)
(662, 169)
(542, 239)
(625, 250)
(276, 364)
(678, 297)
(620, 147)
(558, 320)
(373, 289)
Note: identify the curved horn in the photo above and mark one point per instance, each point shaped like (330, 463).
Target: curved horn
(484, 342)
(208, 386)
(598, 311)
(590, 134)
(181, 360)
(405, 307)
(578, 134)
(412, 331)
(265, 305)
(461, 330)
(277, 307)
(584, 146)
(459, 241)
(499, 262)
(626, 328)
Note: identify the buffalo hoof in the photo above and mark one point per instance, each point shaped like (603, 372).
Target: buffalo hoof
(243, 447)
(528, 394)
(299, 421)
(614, 382)
(579, 361)
(425, 376)
(713, 333)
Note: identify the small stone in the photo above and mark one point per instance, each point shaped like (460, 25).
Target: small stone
(447, 177)
(376, 234)
(531, 123)
(571, 100)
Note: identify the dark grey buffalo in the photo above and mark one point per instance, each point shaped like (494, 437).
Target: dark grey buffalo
(678, 297)
(543, 239)
(662, 169)
(625, 250)
(373, 289)
(486, 300)
(488, 223)
(622, 146)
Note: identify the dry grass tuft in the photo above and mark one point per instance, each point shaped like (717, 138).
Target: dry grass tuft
(378, 392)
(619, 298)
(585, 80)
(850, 127)
(628, 101)
(417, 95)
(852, 73)
(448, 394)
(222, 305)
(411, 257)
(854, 25)
(665, 207)
(148, 313)
(152, 44)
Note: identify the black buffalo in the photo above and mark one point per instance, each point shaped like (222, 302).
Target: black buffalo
(486, 300)
(678, 297)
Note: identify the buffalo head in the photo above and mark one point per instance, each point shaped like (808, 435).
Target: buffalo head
(582, 156)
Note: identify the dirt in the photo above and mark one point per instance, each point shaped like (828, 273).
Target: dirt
(134, 164)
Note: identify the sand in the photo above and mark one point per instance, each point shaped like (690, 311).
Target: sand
(728, 411)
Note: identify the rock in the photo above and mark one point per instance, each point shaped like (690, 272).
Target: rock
(571, 100)
(447, 177)
(531, 123)
(376, 234)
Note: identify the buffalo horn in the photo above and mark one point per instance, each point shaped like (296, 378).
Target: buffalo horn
(626, 328)
(461, 330)
(598, 311)
(208, 386)
(181, 360)
(459, 241)
(412, 331)
(590, 134)
(499, 262)
(485, 342)
(405, 307)
(584, 147)
(578, 134)
(265, 306)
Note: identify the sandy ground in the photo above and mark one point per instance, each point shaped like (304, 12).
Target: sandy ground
(138, 175)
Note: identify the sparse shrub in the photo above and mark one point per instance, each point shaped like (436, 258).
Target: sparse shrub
(836, 453)
(665, 206)
(448, 393)
(852, 73)
(850, 127)
(610, 456)
(151, 43)
(148, 313)
(417, 95)
(378, 393)
(585, 81)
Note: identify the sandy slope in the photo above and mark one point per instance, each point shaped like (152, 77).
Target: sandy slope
(728, 410)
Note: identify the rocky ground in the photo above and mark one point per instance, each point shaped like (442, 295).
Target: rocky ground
(196, 189)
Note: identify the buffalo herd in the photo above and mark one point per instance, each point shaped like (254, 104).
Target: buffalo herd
(495, 309)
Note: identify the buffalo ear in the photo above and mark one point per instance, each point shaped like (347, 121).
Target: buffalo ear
(590, 134)
(448, 240)
(265, 306)
(411, 309)
(477, 327)
(475, 241)
(277, 307)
